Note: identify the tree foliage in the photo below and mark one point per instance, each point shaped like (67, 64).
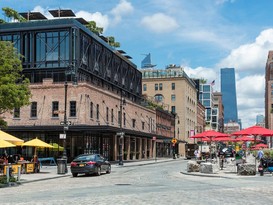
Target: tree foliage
(92, 26)
(14, 88)
(11, 13)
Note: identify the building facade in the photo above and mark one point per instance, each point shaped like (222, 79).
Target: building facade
(173, 89)
(218, 105)
(228, 90)
(269, 91)
(75, 75)
(206, 99)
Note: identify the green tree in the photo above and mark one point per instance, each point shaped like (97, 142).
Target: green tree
(92, 26)
(14, 88)
(112, 42)
(11, 13)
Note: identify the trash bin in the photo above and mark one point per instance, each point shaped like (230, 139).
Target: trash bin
(61, 166)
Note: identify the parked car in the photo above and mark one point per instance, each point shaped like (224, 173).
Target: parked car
(90, 164)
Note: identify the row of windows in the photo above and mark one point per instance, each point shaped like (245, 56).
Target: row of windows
(158, 86)
(94, 113)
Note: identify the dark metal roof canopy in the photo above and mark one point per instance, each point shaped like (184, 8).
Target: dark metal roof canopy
(33, 16)
(82, 21)
(62, 13)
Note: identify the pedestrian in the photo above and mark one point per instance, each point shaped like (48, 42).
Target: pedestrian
(260, 154)
(196, 154)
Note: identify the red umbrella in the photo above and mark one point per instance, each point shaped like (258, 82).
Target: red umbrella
(244, 138)
(222, 139)
(209, 134)
(255, 131)
(261, 146)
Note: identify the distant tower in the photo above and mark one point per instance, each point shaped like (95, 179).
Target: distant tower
(228, 89)
(147, 62)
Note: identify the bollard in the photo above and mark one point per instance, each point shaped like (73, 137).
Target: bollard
(19, 174)
(7, 173)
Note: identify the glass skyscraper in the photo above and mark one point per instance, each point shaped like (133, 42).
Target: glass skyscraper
(228, 89)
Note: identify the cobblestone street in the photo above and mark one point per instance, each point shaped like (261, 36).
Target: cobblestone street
(158, 183)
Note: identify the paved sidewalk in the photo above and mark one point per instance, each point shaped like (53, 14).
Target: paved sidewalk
(50, 172)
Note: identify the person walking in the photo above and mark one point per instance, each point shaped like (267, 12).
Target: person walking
(196, 154)
(260, 154)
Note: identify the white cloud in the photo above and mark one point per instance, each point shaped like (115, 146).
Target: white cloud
(100, 19)
(208, 74)
(160, 23)
(43, 11)
(251, 57)
(122, 9)
(250, 98)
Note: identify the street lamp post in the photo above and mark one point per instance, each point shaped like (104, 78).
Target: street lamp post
(121, 134)
(65, 128)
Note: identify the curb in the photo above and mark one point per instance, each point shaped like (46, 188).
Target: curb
(22, 181)
(206, 175)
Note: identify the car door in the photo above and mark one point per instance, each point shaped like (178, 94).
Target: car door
(100, 162)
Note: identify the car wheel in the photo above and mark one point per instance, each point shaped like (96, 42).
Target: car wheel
(98, 171)
(74, 174)
(108, 171)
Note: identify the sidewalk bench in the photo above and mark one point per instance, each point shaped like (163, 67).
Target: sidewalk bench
(49, 160)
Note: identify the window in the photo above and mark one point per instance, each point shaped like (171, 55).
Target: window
(173, 109)
(134, 123)
(159, 98)
(91, 110)
(173, 98)
(98, 112)
(16, 113)
(55, 109)
(206, 88)
(143, 125)
(160, 86)
(119, 118)
(173, 86)
(156, 86)
(73, 110)
(112, 115)
(144, 87)
(107, 114)
(124, 119)
(33, 111)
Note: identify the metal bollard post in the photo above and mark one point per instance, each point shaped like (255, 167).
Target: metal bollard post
(19, 174)
(7, 173)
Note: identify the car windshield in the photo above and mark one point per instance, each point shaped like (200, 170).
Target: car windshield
(85, 158)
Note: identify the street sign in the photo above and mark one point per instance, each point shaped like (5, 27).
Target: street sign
(67, 123)
(62, 136)
(174, 141)
(120, 133)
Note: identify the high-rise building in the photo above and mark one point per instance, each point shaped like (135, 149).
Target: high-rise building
(260, 120)
(173, 88)
(228, 89)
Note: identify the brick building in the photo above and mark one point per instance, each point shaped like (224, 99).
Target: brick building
(103, 94)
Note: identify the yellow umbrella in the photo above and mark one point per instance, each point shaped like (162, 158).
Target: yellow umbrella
(4, 144)
(7, 137)
(56, 147)
(37, 143)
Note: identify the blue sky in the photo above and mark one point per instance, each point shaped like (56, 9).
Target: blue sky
(200, 35)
